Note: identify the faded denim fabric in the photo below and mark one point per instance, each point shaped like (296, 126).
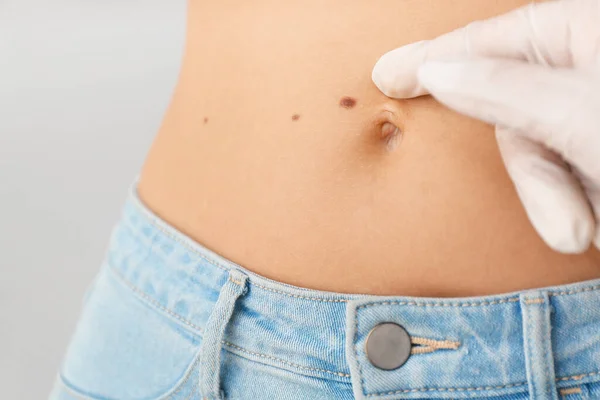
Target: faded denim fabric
(168, 319)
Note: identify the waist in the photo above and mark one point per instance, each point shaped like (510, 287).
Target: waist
(545, 334)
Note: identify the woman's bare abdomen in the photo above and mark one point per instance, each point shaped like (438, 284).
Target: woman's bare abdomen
(278, 153)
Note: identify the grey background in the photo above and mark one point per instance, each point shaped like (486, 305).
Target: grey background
(83, 88)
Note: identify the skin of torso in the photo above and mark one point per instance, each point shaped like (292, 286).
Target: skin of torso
(260, 158)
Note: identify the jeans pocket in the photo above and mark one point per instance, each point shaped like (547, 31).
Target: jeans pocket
(124, 348)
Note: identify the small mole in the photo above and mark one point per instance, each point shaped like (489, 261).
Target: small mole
(205, 120)
(295, 117)
(347, 102)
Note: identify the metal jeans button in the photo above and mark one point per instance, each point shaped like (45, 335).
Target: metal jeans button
(388, 346)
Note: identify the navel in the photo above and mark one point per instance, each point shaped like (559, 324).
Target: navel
(391, 135)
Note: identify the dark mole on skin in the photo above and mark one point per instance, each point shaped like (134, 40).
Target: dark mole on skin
(295, 117)
(205, 120)
(347, 102)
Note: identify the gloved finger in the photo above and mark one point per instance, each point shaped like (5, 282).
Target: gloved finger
(552, 196)
(555, 33)
(557, 107)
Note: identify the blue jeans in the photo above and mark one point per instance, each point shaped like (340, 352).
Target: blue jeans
(168, 319)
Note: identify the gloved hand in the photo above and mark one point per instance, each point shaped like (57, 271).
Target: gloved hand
(535, 74)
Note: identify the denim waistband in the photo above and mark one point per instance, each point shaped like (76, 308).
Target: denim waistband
(463, 347)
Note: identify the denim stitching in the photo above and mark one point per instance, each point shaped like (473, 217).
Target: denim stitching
(440, 304)
(568, 292)
(469, 389)
(577, 377)
(286, 362)
(423, 345)
(534, 301)
(436, 344)
(239, 283)
(154, 302)
(422, 350)
(302, 297)
(569, 391)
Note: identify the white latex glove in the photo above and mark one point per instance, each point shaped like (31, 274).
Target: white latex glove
(535, 74)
